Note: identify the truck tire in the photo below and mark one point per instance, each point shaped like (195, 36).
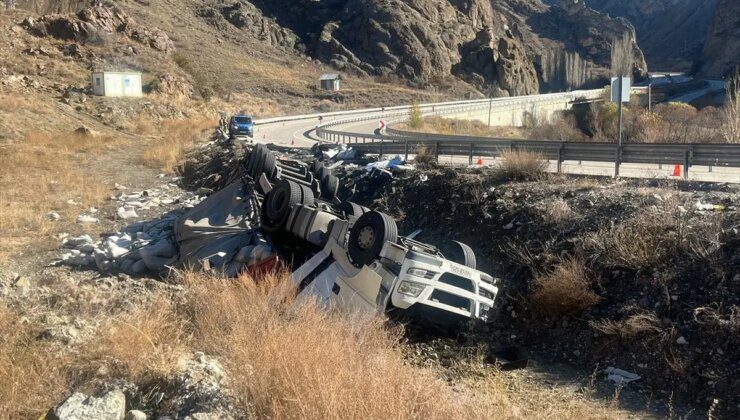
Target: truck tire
(307, 196)
(322, 172)
(278, 203)
(270, 168)
(258, 161)
(368, 235)
(463, 255)
(351, 209)
(329, 187)
(315, 165)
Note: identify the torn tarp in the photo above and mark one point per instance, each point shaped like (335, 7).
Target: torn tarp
(212, 233)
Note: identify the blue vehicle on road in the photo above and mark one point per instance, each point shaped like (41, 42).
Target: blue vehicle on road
(241, 125)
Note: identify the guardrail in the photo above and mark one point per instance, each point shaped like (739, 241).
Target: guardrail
(384, 112)
(404, 143)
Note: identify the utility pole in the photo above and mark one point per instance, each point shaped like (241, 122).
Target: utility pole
(619, 142)
(490, 105)
(650, 98)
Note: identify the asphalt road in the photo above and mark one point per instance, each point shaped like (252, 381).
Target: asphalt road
(302, 133)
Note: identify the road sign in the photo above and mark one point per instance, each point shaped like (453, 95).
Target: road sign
(626, 89)
(382, 125)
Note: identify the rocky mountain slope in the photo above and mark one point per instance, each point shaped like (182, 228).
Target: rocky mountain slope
(721, 52)
(703, 35)
(511, 47)
(671, 33)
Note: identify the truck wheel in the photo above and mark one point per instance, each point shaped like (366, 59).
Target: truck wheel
(322, 172)
(315, 166)
(368, 235)
(463, 255)
(258, 161)
(352, 209)
(307, 196)
(329, 187)
(270, 167)
(278, 203)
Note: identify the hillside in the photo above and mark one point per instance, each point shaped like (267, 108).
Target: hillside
(721, 54)
(671, 33)
(505, 48)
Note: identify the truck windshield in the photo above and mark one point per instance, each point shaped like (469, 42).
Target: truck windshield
(243, 120)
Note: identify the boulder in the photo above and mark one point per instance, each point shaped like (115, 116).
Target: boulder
(110, 406)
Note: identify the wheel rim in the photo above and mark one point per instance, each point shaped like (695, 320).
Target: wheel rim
(366, 238)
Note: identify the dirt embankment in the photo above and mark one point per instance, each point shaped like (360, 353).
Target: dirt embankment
(643, 276)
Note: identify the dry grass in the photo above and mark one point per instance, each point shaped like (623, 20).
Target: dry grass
(520, 165)
(282, 359)
(139, 346)
(558, 211)
(40, 174)
(13, 103)
(632, 327)
(166, 152)
(289, 361)
(424, 157)
(636, 244)
(564, 291)
(32, 373)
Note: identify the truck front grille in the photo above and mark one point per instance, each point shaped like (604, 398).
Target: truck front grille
(449, 299)
(457, 281)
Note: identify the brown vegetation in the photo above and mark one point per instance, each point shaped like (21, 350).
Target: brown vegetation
(520, 165)
(424, 157)
(564, 291)
(731, 110)
(41, 173)
(177, 137)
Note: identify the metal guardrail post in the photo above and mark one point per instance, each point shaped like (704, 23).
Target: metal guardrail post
(560, 158)
(380, 156)
(406, 149)
(436, 151)
(470, 155)
(686, 163)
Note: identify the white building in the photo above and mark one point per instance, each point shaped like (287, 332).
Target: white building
(117, 83)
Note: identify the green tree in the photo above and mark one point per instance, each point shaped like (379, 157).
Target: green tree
(416, 120)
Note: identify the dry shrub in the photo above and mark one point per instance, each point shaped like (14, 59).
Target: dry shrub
(424, 157)
(39, 174)
(32, 373)
(141, 345)
(564, 291)
(520, 165)
(167, 151)
(301, 361)
(558, 211)
(562, 127)
(720, 319)
(636, 244)
(631, 327)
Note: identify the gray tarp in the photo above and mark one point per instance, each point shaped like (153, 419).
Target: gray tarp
(210, 235)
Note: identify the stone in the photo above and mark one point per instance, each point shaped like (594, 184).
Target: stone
(76, 241)
(135, 415)
(85, 219)
(126, 213)
(53, 216)
(682, 341)
(111, 406)
(85, 131)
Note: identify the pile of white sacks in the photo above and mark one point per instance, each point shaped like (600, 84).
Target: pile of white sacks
(138, 248)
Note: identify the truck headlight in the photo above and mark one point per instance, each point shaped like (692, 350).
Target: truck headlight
(409, 288)
(420, 272)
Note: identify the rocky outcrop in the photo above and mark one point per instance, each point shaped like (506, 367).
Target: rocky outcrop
(244, 16)
(671, 33)
(92, 24)
(721, 54)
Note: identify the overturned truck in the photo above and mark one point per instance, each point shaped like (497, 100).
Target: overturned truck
(356, 259)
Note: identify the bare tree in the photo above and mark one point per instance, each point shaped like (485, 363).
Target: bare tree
(731, 110)
(622, 56)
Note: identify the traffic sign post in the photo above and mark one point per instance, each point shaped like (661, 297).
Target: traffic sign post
(621, 89)
(381, 126)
